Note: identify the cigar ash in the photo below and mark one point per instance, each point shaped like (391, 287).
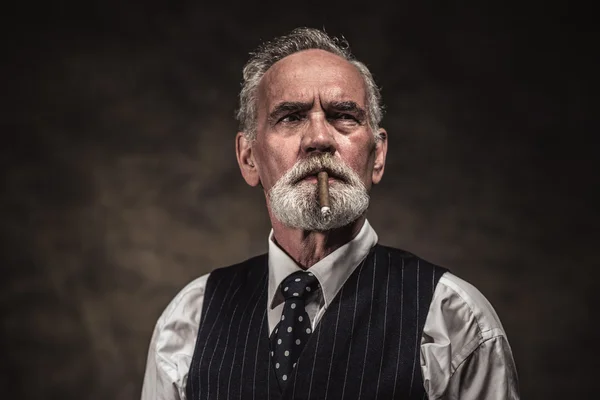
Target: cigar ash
(323, 191)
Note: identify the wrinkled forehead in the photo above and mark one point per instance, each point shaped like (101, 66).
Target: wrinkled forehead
(311, 76)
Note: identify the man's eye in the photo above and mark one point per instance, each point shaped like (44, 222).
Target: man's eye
(291, 118)
(343, 116)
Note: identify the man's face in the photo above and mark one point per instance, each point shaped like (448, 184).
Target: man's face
(313, 103)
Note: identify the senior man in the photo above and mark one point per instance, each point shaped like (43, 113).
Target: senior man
(327, 313)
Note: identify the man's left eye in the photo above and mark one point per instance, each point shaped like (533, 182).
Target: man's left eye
(344, 117)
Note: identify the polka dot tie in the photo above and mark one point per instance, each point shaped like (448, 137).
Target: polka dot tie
(294, 328)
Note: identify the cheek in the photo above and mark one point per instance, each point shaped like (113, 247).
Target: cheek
(274, 161)
(360, 156)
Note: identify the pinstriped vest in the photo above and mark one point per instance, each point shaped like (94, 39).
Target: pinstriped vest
(366, 345)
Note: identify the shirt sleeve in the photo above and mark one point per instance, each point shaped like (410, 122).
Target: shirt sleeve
(172, 345)
(487, 373)
(465, 353)
(161, 375)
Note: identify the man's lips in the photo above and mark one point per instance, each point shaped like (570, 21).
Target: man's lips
(313, 179)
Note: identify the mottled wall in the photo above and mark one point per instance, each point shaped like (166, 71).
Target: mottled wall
(120, 183)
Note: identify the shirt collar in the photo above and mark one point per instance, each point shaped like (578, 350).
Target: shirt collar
(332, 271)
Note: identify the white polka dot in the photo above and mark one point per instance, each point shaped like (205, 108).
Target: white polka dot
(284, 377)
(277, 365)
(308, 330)
(289, 328)
(278, 341)
(298, 341)
(308, 289)
(294, 366)
(296, 294)
(282, 317)
(300, 318)
(272, 354)
(297, 279)
(286, 289)
(310, 274)
(293, 305)
(276, 329)
(287, 353)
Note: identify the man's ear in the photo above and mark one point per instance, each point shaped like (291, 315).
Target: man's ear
(245, 159)
(381, 144)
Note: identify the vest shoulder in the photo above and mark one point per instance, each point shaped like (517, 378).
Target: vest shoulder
(243, 267)
(407, 257)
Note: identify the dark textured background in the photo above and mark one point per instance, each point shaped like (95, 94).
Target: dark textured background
(120, 185)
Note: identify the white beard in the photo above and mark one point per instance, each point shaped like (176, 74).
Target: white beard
(296, 205)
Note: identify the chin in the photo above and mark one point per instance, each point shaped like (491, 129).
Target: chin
(302, 211)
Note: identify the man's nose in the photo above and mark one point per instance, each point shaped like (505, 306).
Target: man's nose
(318, 137)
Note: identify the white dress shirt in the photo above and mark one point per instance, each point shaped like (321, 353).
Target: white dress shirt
(464, 351)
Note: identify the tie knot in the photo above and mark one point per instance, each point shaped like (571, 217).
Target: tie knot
(299, 284)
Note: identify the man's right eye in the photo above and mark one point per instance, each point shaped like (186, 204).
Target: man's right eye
(291, 118)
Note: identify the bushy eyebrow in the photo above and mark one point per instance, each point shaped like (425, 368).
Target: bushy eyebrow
(290, 107)
(347, 106)
(286, 107)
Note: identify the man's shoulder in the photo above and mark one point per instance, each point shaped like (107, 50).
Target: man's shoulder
(242, 269)
(191, 296)
(257, 260)
(408, 258)
(184, 301)
(456, 295)
(394, 251)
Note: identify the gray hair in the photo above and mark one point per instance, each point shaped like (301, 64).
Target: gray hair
(298, 40)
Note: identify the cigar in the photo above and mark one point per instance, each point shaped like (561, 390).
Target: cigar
(323, 180)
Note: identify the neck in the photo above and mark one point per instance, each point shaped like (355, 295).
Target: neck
(309, 247)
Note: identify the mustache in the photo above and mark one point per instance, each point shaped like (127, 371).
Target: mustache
(313, 165)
